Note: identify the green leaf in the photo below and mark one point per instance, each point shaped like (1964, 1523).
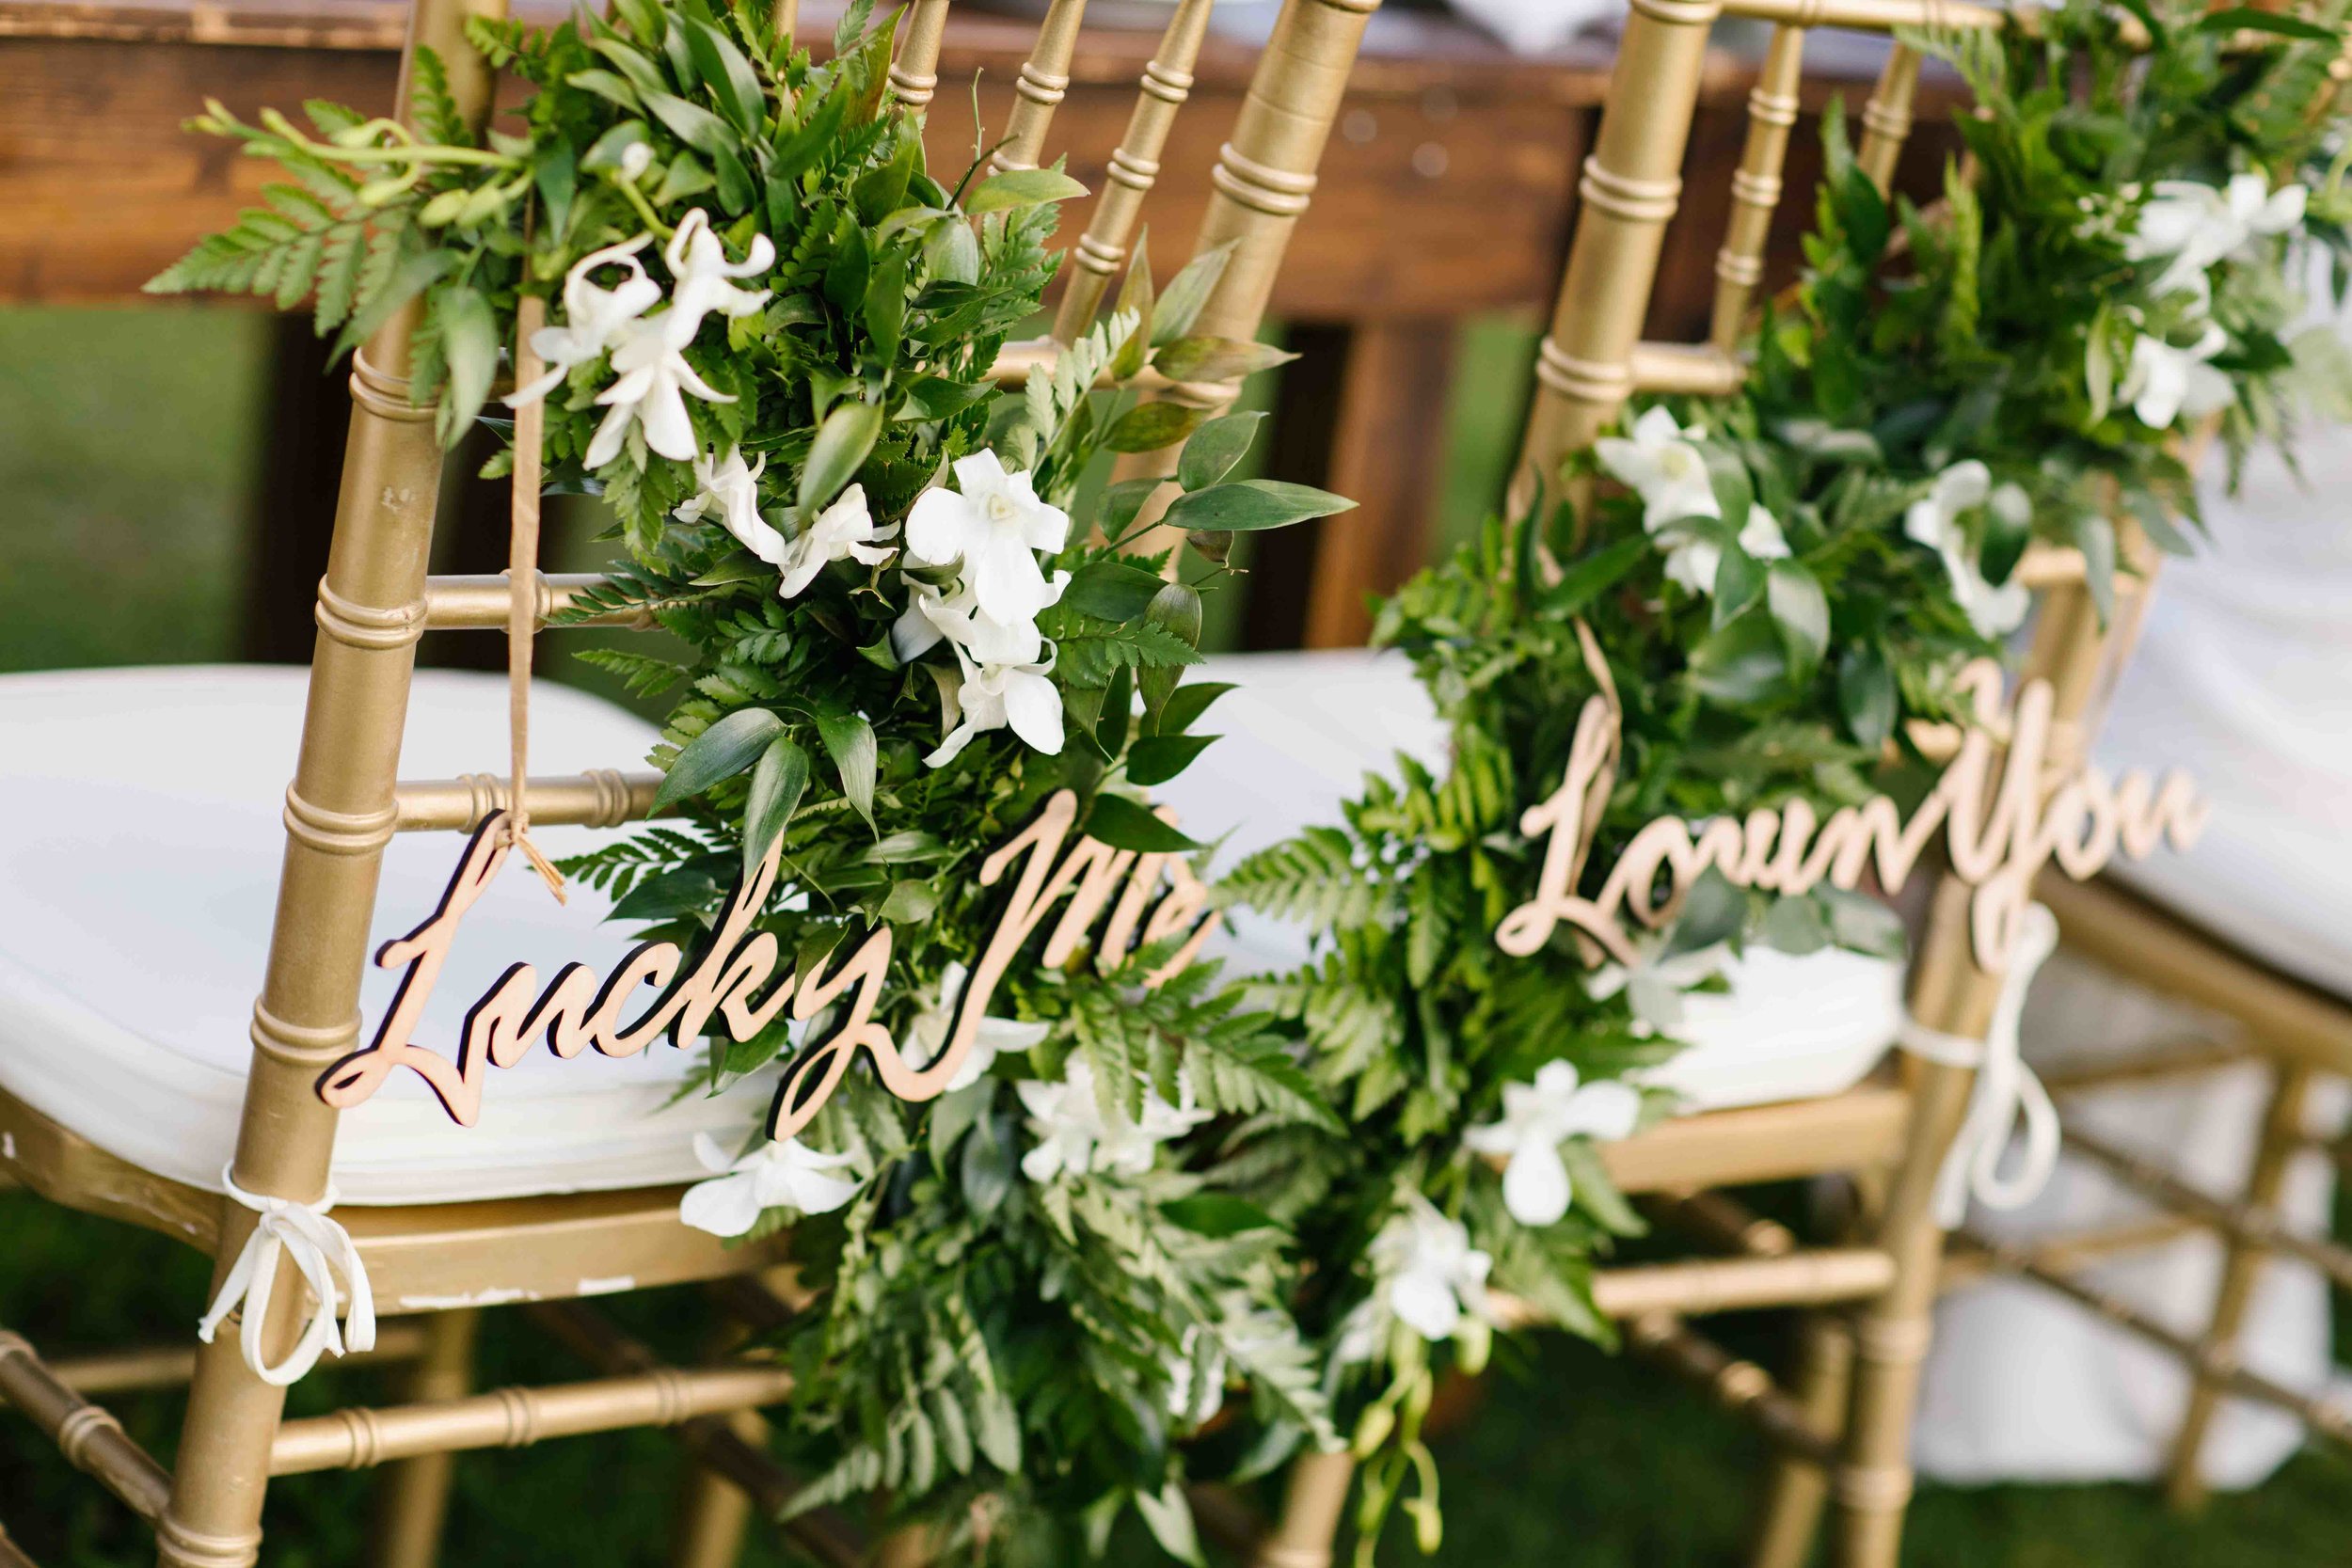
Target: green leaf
(1217, 359)
(726, 72)
(1714, 911)
(1735, 491)
(1589, 577)
(1159, 758)
(1187, 702)
(1111, 590)
(2248, 19)
(1135, 294)
(841, 449)
(1123, 501)
(610, 85)
(1742, 663)
(1866, 694)
(667, 894)
(1218, 1214)
(1169, 1516)
(2094, 536)
(1021, 187)
(777, 785)
(1180, 302)
(849, 742)
(693, 124)
(1215, 448)
(1124, 825)
(1253, 505)
(1738, 583)
(1801, 610)
(886, 308)
(470, 342)
(1175, 609)
(1150, 426)
(720, 751)
(1117, 713)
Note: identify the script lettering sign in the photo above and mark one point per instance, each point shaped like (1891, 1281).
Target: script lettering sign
(1999, 832)
(731, 976)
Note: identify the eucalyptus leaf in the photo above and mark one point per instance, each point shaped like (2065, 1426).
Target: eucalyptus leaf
(1252, 505)
(1214, 449)
(1111, 590)
(1156, 759)
(778, 781)
(842, 447)
(720, 751)
(849, 742)
(1012, 189)
(1123, 824)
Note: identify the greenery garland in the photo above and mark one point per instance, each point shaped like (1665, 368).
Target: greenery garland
(1779, 583)
(1158, 1234)
(771, 337)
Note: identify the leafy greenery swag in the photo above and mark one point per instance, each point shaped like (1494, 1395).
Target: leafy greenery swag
(1775, 586)
(1173, 1233)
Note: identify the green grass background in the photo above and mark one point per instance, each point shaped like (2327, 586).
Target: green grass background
(128, 458)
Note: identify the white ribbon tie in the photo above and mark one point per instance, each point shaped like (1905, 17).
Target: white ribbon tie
(2008, 1098)
(319, 1248)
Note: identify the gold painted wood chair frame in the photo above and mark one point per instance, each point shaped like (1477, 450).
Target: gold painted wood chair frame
(346, 803)
(1843, 1430)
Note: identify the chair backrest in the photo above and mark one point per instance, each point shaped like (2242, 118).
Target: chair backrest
(376, 601)
(1593, 357)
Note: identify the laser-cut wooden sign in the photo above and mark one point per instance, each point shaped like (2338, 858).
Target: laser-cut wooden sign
(1999, 833)
(731, 976)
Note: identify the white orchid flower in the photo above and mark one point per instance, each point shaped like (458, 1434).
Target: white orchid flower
(843, 531)
(932, 615)
(595, 318)
(1693, 562)
(2165, 383)
(654, 379)
(2198, 224)
(784, 1175)
(1934, 520)
(1654, 985)
(927, 1035)
(992, 522)
(1536, 1118)
(995, 696)
(728, 490)
(1662, 466)
(1073, 1134)
(1426, 1274)
(703, 275)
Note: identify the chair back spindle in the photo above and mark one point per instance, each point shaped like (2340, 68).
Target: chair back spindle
(1135, 167)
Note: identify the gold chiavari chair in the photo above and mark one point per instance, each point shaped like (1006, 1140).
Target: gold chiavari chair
(1841, 1430)
(436, 1265)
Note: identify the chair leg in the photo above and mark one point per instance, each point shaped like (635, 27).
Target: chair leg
(214, 1518)
(413, 1498)
(1311, 1506)
(714, 1513)
(2282, 1128)
(1791, 1514)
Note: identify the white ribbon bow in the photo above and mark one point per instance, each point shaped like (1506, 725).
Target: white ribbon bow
(318, 1246)
(2007, 1092)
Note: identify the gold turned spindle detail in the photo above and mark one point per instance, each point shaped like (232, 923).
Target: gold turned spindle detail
(1265, 174)
(1134, 168)
(1886, 118)
(1756, 185)
(1631, 188)
(914, 74)
(338, 813)
(1038, 91)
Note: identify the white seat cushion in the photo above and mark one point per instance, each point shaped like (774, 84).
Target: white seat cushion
(2240, 678)
(1299, 735)
(135, 901)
